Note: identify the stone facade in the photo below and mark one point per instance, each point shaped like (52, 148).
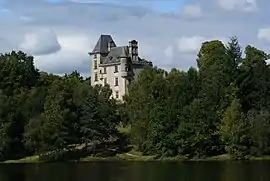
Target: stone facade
(115, 65)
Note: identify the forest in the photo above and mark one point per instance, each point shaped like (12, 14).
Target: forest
(220, 107)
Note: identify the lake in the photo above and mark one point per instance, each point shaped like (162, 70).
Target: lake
(138, 171)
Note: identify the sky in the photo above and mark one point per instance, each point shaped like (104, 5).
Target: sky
(60, 33)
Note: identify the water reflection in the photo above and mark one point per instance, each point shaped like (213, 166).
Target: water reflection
(138, 171)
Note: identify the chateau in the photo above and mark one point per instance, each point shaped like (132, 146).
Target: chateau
(115, 65)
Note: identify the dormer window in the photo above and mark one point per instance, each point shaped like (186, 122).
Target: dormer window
(110, 45)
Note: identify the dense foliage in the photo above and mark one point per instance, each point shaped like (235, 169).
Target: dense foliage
(42, 113)
(221, 107)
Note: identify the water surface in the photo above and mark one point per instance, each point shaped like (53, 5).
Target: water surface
(138, 171)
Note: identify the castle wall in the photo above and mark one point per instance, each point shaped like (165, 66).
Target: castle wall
(110, 77)
(94, 70)
(117, 80)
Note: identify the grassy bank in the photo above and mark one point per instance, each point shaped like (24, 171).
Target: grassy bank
(31, 159)
(131, 156)
(135, 156)
(118, 157)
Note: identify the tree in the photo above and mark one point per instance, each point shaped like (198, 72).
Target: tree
(146, 95)
(17, 70)
(57, 124)
(155, 101)
(99, 118)
(233, 54)
(213, 79)
(254, 56)
(254, 80)
(17, 74)
(259, 132)
(234, 131)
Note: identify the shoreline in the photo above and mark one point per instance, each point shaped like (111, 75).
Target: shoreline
(128, 157)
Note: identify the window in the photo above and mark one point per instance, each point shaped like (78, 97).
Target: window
(95, 55)
(95, 64)
(105, 81)
(105, 70)
(96, 77)
(116, 94)
(116, 81)
(115, 68)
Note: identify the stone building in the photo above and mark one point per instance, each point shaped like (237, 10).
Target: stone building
(115, 65)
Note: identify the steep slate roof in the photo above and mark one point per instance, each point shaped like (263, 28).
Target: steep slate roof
(102, 44)
(116, 53)
(142, 61)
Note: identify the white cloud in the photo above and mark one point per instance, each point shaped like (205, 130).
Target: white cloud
(76, 27)
(169, 52)
(25, 18)
(243, 5)
(190, 44)
(72, 56)
(264, 34)
(192, 11)
(42, 41)
(5, 10)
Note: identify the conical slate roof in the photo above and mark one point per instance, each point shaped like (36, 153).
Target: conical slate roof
(102, 44)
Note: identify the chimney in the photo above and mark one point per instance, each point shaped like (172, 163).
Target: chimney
(133, 50)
